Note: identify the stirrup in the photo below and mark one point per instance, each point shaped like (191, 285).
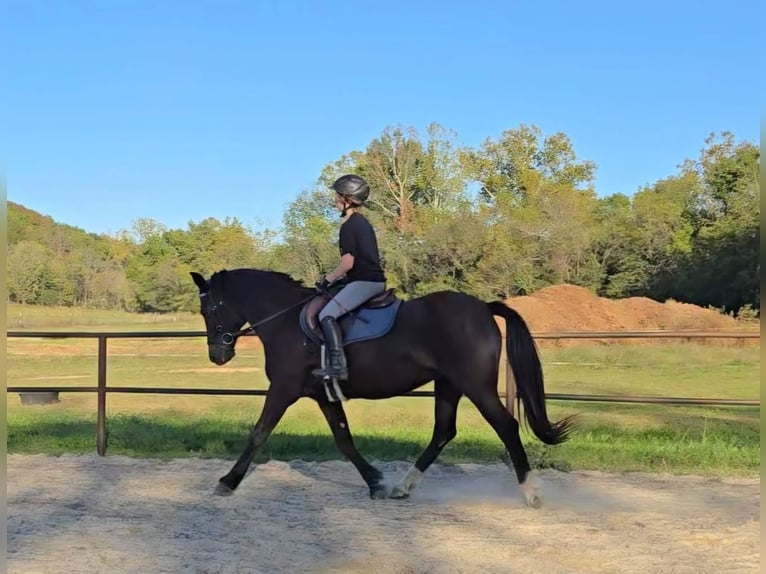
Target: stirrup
(326, 372)
(331, 385)
(333, 391)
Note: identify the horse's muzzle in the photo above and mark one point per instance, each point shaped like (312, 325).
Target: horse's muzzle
(220, 354)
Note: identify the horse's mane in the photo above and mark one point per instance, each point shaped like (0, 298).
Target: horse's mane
(285, 278)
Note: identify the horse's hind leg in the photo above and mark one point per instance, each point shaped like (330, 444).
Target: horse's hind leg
(445, 429)
(507, 428)
(336, 418)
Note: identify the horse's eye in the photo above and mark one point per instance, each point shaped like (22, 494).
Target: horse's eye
(218, 328)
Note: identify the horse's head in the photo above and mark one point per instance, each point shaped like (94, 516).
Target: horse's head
(222, 322)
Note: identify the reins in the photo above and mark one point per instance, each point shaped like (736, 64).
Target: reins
(229, 338)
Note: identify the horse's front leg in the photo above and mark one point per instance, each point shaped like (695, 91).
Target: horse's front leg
(274, 407)
(336, 418)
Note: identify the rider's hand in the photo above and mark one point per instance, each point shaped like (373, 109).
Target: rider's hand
(322, 286)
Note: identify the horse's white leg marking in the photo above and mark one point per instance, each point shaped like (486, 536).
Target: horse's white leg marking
(531, 488)
(407, 483)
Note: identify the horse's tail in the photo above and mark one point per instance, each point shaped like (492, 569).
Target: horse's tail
(528, 372)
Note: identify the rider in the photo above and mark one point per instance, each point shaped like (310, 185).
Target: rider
(360, 265)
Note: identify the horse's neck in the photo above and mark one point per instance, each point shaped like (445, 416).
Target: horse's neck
(264, 295)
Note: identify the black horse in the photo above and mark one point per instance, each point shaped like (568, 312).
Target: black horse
(446, 337)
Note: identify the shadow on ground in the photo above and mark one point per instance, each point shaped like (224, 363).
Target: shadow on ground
(145, 437)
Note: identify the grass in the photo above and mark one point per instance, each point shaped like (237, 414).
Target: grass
(683, 440)
(35, 317)
(610, 437)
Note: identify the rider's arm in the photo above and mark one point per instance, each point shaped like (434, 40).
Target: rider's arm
(345, 265)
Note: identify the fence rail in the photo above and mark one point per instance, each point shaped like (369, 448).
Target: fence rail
(659, 334)
(509, 392)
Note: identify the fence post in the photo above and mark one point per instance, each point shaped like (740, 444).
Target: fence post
(101, 421)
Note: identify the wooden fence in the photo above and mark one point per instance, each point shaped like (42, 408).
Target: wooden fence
(509, 391)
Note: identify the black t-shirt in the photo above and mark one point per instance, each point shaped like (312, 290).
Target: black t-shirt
(358, 238)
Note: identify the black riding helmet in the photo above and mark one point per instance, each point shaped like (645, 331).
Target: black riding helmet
(353, 188)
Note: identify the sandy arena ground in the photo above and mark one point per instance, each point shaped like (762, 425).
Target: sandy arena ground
(83, 514)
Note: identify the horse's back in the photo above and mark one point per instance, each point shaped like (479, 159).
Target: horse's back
(452, 303)
(447, 313)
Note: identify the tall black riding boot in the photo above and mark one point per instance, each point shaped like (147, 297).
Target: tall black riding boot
(336, 358)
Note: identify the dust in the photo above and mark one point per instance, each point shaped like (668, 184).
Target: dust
(82, 514)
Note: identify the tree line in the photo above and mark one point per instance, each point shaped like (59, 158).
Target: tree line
(513, 215)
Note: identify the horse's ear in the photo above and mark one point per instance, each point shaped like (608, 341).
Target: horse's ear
(199, 280)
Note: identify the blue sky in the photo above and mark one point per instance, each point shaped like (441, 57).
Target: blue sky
(182, 110)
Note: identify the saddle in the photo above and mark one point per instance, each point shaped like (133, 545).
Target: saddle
(373, 318)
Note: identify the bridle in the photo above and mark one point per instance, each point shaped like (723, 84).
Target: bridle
(228, 339)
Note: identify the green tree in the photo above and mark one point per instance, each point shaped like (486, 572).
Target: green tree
(540, 206)
(721, 264)
(515, 165)
(29, 274)
(617, 248)
(154, 274)
(310, 237)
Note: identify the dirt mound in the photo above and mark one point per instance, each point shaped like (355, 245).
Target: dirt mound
(570, 308)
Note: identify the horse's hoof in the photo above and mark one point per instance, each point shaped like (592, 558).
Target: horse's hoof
(378, 492)
(535, 502)
(399, 493)
(222, 490)
(530, 487)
